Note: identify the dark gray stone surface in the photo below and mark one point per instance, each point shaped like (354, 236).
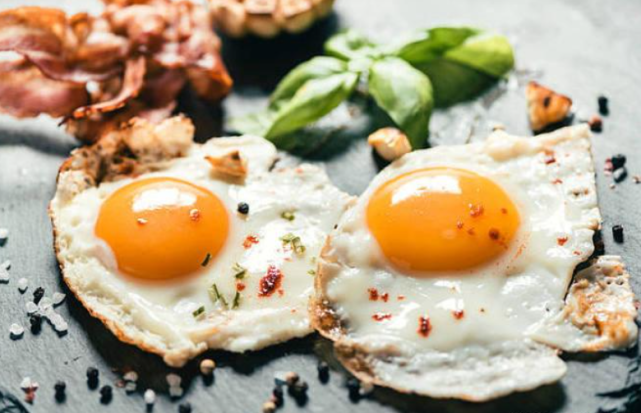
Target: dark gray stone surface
(582, 48)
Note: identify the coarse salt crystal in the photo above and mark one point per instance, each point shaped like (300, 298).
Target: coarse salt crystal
(58, 298)
(4, 234)
(150, 396)
(45, 304)
(4, 275)
(130, 376)
(23, 284)
(25, 384)
(31, 307)
(16, 330)
(130, 387)
(6, 264)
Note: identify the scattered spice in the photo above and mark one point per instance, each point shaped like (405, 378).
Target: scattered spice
(504, 210)
(199, 311)
(636, 179)
(295, 242)
(561, 241)
(288, 215)
(270, 282)
(240, 286)
(106, 394)
(381, 316)
(476, 210)
(494, 234)
(215, 295)
(557, 181)
(92, 377)
(620, 174)
(36, 323)
(249, 241)
(603, 105)
(16, 331)
(596, 123)
(239, 271)
(323, 371)
(149, 397)
(38, 293)
(424, 326)
(400, 297)
(459, 225)
(549, 158)
(194, 215)
(458, 314)
(617, 233)
(353, 387)
(206, 260)
(471, 231)
(291, 378)
(207, 367)
(269, 407)
(385, 297)
(373, 294)
(312, 272)
(184, 408)
(243, 208)
(277, 396)
(618, 161)
(60, 389)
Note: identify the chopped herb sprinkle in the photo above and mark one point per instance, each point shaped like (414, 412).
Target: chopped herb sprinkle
(236, 303)
(206, 260)
(288, 215)
(215, 295)
(311, 272)
(199, 311)
(295, 242)
(239, 271)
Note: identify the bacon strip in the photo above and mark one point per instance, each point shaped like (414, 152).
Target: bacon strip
(139, 53)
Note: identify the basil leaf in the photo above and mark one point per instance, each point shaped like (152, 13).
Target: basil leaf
(253, 124)
(350, 44)
(315, 99)
(430, 44)
(488, 53)
(455, 83)
(316, 68)
(405, 94)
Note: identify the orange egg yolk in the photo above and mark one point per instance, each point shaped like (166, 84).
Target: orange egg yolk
(441, 219)
(162, 228)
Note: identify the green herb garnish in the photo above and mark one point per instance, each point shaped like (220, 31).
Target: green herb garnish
(199, 311)
(206, 260)
(288, 215)
(406, 79)
(215, 295)
(236, 300)
(239, 271)
(311, 272)
(295, 242)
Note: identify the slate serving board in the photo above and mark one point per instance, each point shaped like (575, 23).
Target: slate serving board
(580, 48)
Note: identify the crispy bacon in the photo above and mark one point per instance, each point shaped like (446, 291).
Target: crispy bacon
(138, 55)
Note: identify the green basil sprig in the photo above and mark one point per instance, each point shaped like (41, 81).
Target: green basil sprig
(406, 78)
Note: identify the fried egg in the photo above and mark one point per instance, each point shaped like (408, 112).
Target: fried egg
(179, 247)
(448, 277)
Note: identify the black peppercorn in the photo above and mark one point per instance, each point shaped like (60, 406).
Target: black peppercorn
(184, 408)
(36, 323)
(277, 394)
(323, 371)
(92, 377)
(618, 161)
(619, 174)
(603, 105)
(38, 293)
(354, 386)
(243, 208)
(617, 233)
(106, 393)
(59, 388)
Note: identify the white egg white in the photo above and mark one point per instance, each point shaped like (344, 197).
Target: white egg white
(159, 316)
(495, 345)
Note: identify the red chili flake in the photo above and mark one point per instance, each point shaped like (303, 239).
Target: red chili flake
(249, 241)
(400, 297)
(385, 297)
(476, 210)
(562, 240)
(471, 231)
(557, 181)
(270, 282)
(381, 316)
(549, 158)
(240, 286)
(458, 314)
(194, 214)
(504, 210)
(595, 123)
(576, 252)
(459, 225)
(494, 234)
(373, 294)
(424, 326)
(281, 292)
